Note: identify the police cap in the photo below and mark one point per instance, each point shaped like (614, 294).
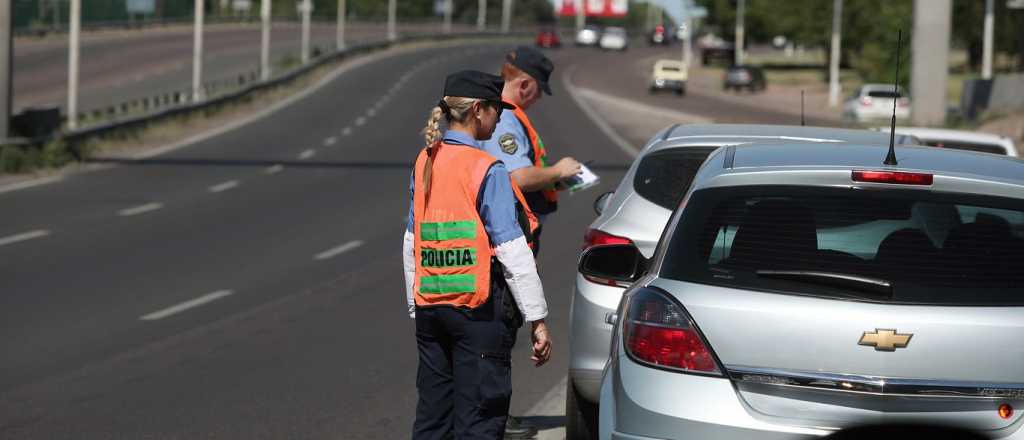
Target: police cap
(534, 63)
(476, 84)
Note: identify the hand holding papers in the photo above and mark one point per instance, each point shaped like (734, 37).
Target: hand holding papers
(582, 180)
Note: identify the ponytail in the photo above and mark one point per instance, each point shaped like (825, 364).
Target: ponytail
(432, 137)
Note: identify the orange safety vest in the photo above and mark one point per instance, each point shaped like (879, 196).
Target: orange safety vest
(453, 265)
(548, 200)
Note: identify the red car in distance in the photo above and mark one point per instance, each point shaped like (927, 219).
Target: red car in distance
(548, 38)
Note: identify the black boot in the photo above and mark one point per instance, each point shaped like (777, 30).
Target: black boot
(515, 428)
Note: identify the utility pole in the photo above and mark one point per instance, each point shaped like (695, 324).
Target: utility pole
(307, 10)
(265, 40)
(197, 54)
(481, 16)
(340, 43)
(740, 11)
(986, 54)
(930, 61)
(448, 16)
(73, 45)
(506, 16)
(833, 67)
(581, 15)
(6, 76)
(392, 13)
(687, 42)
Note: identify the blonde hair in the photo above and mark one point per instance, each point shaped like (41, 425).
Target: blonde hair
(458, 111)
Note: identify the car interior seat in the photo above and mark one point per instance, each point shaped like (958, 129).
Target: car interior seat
(776, 234)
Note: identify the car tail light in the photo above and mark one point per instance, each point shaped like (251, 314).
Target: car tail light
(903, 102)
(895, 177)
(657, 331)
(866, 101)
(597, 237)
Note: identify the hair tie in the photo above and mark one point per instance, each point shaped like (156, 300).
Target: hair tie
(444, 107)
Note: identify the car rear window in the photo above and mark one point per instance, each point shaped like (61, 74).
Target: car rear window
(663, 177)
(938, 249)
(884, 94)
(669, 68)
(981, 148)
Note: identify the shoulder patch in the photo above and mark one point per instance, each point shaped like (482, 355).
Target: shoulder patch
(508, 143)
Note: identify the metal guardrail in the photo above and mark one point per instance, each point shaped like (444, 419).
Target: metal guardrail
(185, 107)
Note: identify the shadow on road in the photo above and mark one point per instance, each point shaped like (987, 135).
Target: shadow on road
(544, 423)
(262, 163)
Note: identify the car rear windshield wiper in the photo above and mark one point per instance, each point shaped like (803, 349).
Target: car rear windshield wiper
(874, 286)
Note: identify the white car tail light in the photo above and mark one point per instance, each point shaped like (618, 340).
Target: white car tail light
(866, 101)
(658, 332)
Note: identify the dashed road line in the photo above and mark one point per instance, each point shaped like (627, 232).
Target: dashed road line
(330, 253)
(190, 304)
(360, 121)
(38, 233)
(220, 187)
(346, 131)
(371, 112)
(307, 154)
(274, 169)
(141, 209)
(330, 141)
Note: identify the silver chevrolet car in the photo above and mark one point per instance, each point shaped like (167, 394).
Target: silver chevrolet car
(798, 290)
(633, 217)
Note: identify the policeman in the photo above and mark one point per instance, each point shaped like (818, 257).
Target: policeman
(469, 271)
(515, 141)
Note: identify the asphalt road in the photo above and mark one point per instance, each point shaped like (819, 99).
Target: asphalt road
(249, 286)
(118, 66)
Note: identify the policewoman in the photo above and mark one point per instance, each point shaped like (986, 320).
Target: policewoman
(470, 275)
(516, 142)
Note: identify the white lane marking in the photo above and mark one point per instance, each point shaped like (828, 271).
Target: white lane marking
(274, 169)
(346, 131)
(192, 303)
(24, 236)
(371, 112)
(338, 250)
(30, 184)
(551, 405)
(360, 121)
(307, 154)
(223, 186)
(140, 209)
(330, 141)
(601, 124)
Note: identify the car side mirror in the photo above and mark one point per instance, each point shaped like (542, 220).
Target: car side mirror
(602, 201)
(614, 265)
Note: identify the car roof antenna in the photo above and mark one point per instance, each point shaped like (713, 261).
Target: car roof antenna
(890, 159)
(802, 122)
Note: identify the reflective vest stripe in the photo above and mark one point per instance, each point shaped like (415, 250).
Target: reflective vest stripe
(457, 257)
(441, 284)
(447, 230)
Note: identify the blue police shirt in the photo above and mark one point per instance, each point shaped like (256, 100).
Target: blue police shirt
(497, 201)
(509, 143)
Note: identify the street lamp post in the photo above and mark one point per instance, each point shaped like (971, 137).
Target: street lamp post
(448, 16)
(833, 68)
(481, 15)
(340, 43)
(392, 13)
(506, 16)
(307, 10)
(986, 56)
(265, 40)
(740, 11)
(197, 53)
(6, 64)
(73, 48)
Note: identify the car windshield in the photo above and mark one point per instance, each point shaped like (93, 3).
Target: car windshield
(902, 246)
(663, 177)
(884, 94)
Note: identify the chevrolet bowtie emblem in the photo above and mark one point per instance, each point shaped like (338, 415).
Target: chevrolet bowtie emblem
(885, 339)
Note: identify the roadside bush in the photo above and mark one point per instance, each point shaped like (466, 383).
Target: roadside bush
(12, 159)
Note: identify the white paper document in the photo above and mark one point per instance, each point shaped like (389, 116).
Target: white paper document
(582, 180)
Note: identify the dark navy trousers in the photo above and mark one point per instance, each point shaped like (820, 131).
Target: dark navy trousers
(464, 377)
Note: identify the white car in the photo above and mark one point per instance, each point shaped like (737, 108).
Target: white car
(875, 102)
(613, 38)
(960, 140)
(588, 36)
